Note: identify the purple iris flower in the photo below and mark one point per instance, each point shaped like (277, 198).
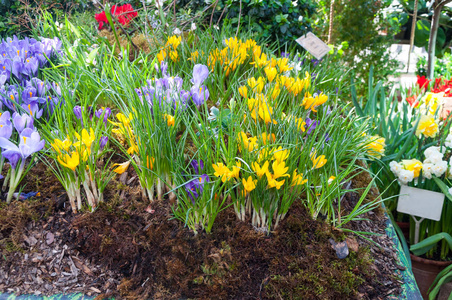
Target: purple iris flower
(285, 54)
(22, 122)
(30, 142)
(103, 142)
(310, 125)
(6, 127)
(197, 166)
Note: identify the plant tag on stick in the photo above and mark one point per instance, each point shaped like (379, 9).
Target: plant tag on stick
(313, 45)
(420, 203)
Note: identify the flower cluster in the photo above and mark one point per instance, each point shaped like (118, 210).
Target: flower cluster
(124, 14)
(21, 59)
(17, 147)
(433, 164)
(78, 156)
(168, 90)
(34, 97)
(170, 49)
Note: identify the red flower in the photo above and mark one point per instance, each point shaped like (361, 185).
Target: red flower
(412, 100)
(124, 14)
(422, 82)
(101, 19)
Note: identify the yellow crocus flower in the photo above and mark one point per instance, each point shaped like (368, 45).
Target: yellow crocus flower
(268, 138)
(169, 120)
(318, 162)
(260, 171)
(279, 169)
(297, 179)
(243, 90)
(249, 184)
(59, 145)
(280, 155)
(271, 73)
(121, 168)
(87, 138)
(161, 55)
(70, 162)
(150, 162)
(272, 181)
(310, 102)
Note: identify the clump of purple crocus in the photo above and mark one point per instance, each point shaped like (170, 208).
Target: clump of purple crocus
(168, 90)
(34, 97)
(21, 59)
(195, 187)
(16, 148)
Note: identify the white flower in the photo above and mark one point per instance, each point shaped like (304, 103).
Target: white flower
(395, 167)
(58, 26)
(193, 27)
(427, 170)
(431, 150)
(434, 158)
(439, 168)
(295, 3)
(300, 19)
(177, 31)
(448, 142)
(216, 27)
(450, 190)
(406, 176)
(159, 3)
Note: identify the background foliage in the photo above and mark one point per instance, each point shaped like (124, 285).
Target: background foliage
(17, 16)
(280, 21)
(369, 37)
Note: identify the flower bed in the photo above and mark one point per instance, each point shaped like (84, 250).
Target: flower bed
(210, 167)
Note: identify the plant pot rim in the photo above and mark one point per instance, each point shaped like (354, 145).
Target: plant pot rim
(426, 261)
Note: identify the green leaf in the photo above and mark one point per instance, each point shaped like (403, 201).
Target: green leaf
(430, 242)
(444, 188)
(422, 33)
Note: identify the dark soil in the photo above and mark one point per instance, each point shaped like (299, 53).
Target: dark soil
(128, 249)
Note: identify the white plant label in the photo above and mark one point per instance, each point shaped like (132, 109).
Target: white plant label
(420, 203)
(313, 45)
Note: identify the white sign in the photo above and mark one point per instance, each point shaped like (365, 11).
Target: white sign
(421, 203)
(313, 45)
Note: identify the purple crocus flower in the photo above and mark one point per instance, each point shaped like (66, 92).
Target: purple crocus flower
(6, 128)
(22, 122)
(310, 125)
(200, 73)
(197, 166)
(78, 112)
(195, 187)
(101, 111)
(103, 142)
(33, 109)
(199, 95)
(285, 54)
(30, 142)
